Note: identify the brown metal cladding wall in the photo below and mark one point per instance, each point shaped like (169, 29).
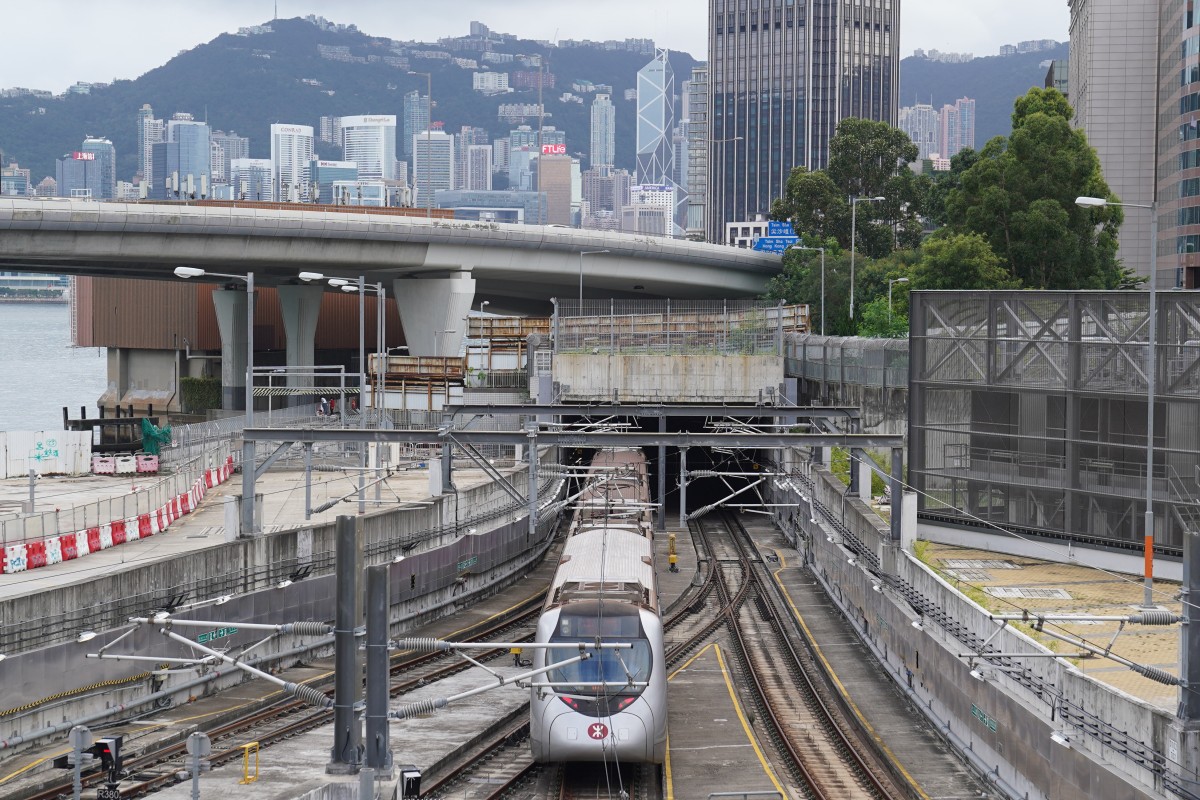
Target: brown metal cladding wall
(159, 315)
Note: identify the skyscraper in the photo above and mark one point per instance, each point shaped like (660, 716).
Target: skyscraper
(603, 130)
(150, 130)
(188, 159)
(106, 157)
(478, 168)
(370, 142)
(416, 119)
(78, 174)
(696, 90)
(433, 165)
(225, 148)
(923, 125)
(781, 77)
(956, 127)
(467, 137)
(291, 155)
(554, 180)
(251, 178)
(655, 119)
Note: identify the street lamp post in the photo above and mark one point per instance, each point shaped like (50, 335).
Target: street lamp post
(428, 139)
(822, 251)
(1152, 324)
(854, 201)
(583, 253)
(248, 457)
(891, 282)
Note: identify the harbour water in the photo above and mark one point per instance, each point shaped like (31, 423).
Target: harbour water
(40, 372)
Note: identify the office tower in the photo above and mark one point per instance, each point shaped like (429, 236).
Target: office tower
(554, 180)
(14, 181)
(522, 136)
(323, 174)
(292, 154)
(501, 149)
(603, 130)
(520, 167)
(655, 119)
(416, 118)
(696, 90)
(252, 179)
(150, 130)
(467, 137)
(923, 125)
(181, 166)
(433, 165)
(478, 168)
(105, 154)
(328, 130)
(225, 148)
(370, 142)
(780, 80)
(79, 175)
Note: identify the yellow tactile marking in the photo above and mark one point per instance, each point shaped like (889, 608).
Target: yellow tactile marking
(737, 707)
(842, 689)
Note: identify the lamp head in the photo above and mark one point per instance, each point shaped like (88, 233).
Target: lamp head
(188, 272)
(311, 276)
(347, 288)
(878, 198)
(86, 636)
(338, 282)
(1091, 202)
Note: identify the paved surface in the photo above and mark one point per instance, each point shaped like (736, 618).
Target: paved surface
(1080, 590)
(283, 507)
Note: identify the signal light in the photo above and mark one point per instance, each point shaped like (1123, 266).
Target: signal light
(626, 703)
(108, 750)
(571, 701)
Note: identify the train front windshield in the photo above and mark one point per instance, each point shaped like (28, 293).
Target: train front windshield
(612, 622)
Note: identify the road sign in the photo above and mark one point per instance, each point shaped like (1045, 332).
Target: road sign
(774, 244)
(780, 229)
(598, 730)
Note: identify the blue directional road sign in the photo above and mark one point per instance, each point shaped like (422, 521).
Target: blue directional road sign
(774, 244)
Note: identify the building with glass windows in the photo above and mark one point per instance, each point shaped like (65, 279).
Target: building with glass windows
(370, 142)
(106, 157)
(433, 165)
(292, 154)
(655, 120)
(1028, 411)
(603, 131)
(782, 75)
(323, 174)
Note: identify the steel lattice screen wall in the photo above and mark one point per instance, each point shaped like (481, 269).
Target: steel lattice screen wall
(1028, 410)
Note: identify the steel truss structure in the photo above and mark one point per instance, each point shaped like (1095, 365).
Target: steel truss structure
(1028, 410)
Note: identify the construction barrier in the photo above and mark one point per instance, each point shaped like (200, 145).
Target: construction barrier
(67, 547)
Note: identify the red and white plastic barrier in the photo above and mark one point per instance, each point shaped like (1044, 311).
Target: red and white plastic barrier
(67, 547)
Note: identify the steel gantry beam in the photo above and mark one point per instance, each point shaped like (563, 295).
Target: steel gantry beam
(578, 439)
(657, 410)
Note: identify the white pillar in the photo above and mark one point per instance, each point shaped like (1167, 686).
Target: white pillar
(433, 312)
(300, 307)
(230, 305)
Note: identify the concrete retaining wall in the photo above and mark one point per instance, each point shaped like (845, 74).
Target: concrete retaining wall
(584, 377)
(1002, 723)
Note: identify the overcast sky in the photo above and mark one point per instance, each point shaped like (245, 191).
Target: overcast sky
(50, 44)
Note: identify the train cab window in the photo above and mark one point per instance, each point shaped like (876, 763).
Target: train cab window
(611, 622)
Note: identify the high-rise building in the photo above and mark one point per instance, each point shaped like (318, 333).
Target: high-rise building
(478, 168)
(252, 178)
(500, 151)
(80, 175)
(1116, 101)
(467, 137)
(655, 119)
(956, 127)
(226, 147)
(416, 118)
(14, 181)
(292, 155)
(106, 156)
(696, 90)
(781, 77)
(922, 124)
(433, 165)
(329, 130)
(1056, 76)
(370, 142)
(150, 130)
(189, 160)
(323, 174)
(603, 130)
(554, 180)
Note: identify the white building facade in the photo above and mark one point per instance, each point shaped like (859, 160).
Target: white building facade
(370, 142)
(291, 156)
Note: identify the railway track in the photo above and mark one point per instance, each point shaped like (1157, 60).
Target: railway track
(284, 718)
(823, 750)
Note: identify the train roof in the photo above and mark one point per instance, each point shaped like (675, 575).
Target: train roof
(615, 562)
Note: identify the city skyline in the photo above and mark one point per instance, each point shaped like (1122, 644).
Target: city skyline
(979, 27)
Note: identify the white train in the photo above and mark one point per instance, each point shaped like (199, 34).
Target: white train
(612, 706)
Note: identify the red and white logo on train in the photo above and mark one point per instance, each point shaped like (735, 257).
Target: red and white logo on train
(598, 730)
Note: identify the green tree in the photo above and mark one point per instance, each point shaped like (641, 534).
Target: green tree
(866, 159)
(960, 261)
(799, 281)
(881, 322)
(1020, 194)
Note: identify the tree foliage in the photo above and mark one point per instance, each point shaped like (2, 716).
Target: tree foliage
(866, 159)
(960, 261)
(1020, 195)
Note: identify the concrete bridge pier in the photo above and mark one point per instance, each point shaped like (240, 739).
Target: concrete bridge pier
(300, 306)
(433, 311)
(230, 305)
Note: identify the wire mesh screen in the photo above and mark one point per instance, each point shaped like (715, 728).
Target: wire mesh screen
(1029, 410)
(848, 360)
(692, 327)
